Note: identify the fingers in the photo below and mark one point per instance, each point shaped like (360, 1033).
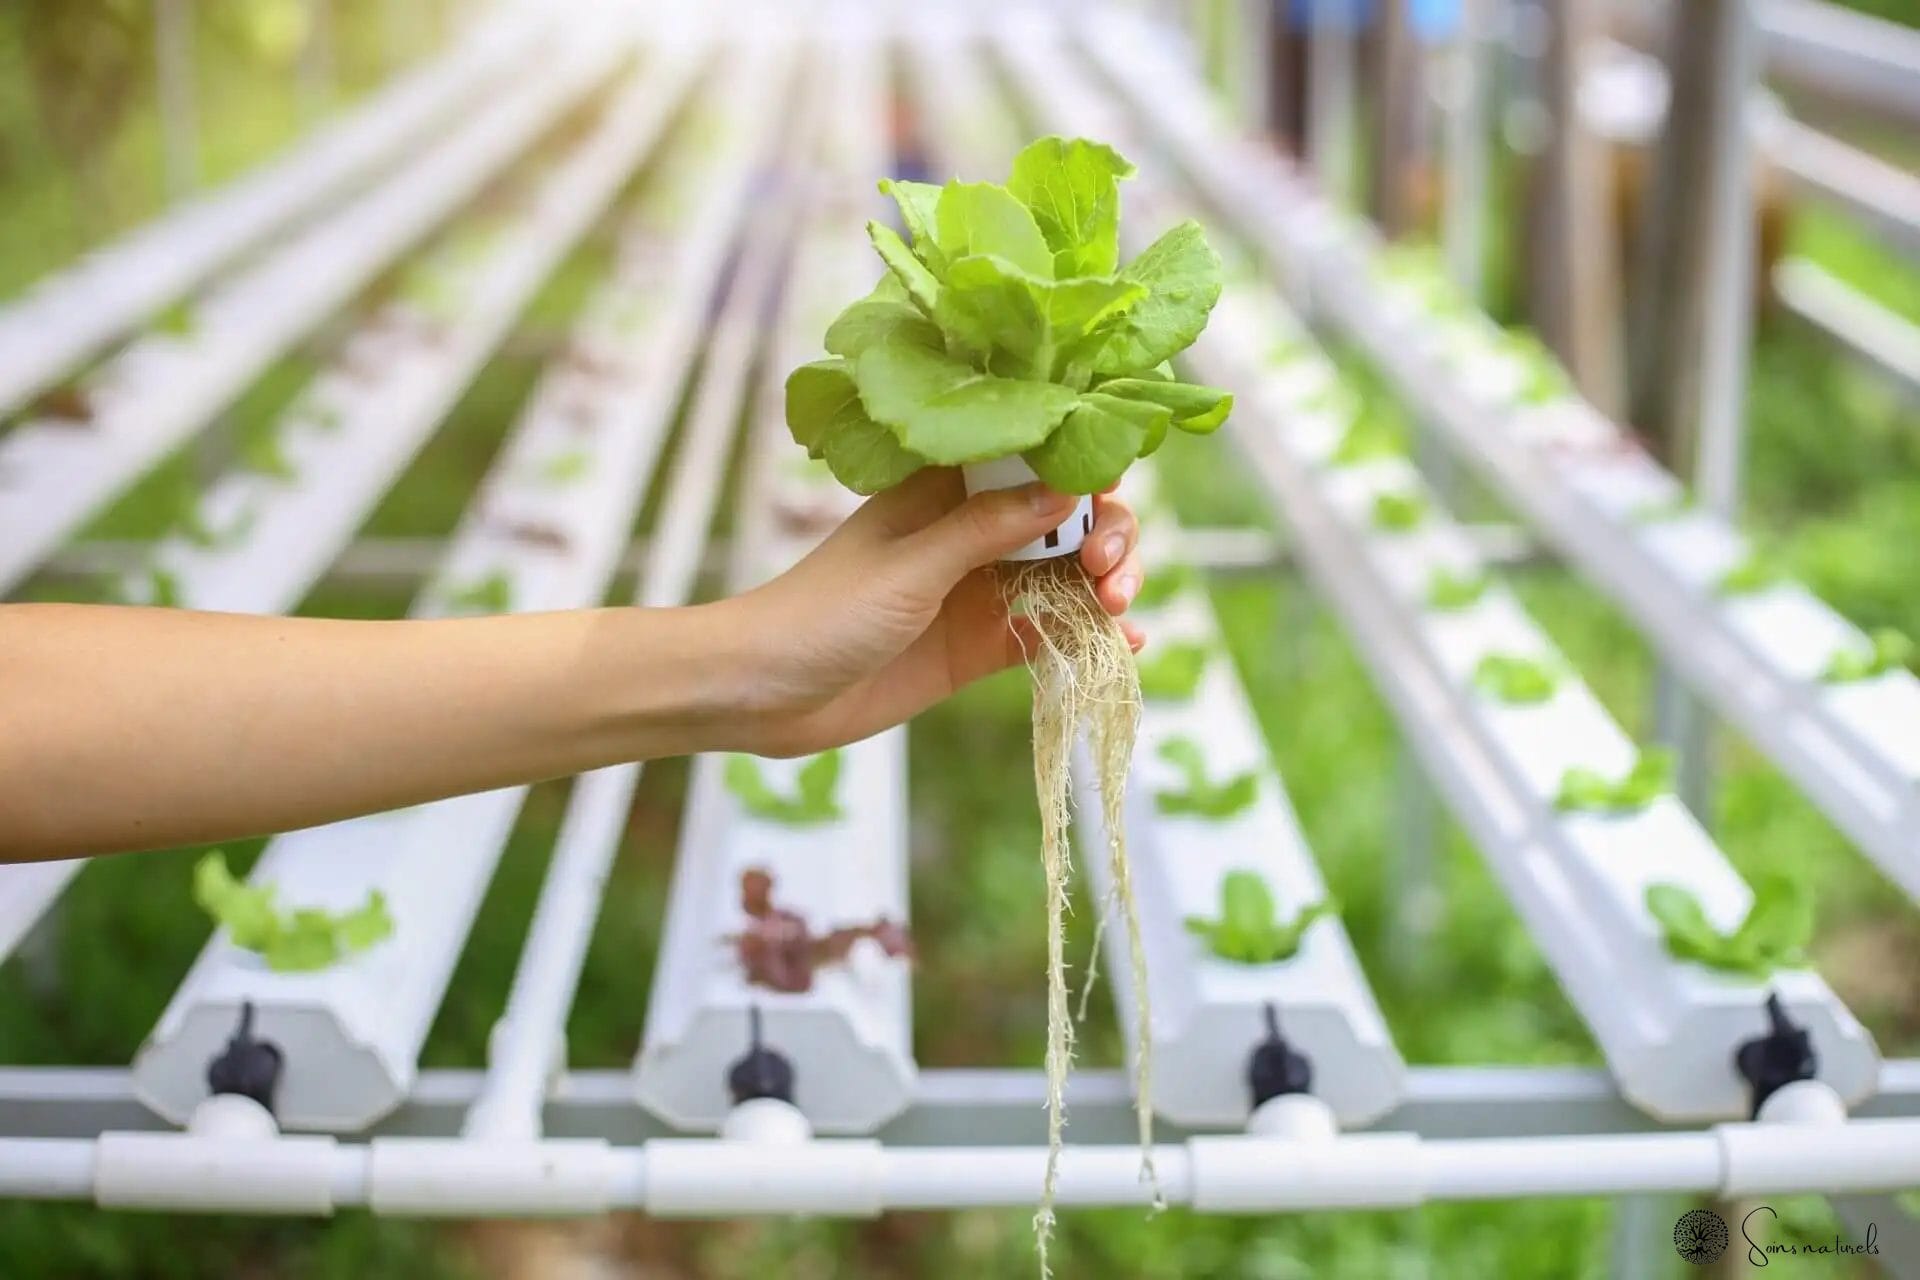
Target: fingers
(1116, 590)
(1115, 531)
(913, 504)
(1136, 638)
(981, 530)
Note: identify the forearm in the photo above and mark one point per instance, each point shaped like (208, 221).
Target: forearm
(144, 728)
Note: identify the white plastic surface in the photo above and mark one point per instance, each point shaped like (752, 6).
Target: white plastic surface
(351, 1035)
(849, 1038)
(1011, 473)
(1209, 1013)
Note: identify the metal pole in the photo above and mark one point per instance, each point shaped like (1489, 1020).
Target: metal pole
(1641, 1247)
(1464, 229)
(1330, 91)
(316, 60)
(1728, 326)
(1255, 60)
(173, 68)
(1726, 335)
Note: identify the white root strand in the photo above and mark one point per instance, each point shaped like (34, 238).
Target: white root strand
(1083, 679)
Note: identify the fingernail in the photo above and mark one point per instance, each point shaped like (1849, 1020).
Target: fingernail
(1112, 547)
(1045, 501)
(1126, 585)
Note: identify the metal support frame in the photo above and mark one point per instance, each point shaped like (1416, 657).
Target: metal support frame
(173, 76)
(1331, 54)
(1876, 338)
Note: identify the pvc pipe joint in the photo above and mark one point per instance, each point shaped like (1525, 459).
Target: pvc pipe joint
(1011, 473)
(773, 1121)
(1293, 1117)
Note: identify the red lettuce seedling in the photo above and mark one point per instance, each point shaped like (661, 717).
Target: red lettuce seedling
(780, 951)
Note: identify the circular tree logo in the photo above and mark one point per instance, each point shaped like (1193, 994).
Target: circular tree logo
(1700, 1237)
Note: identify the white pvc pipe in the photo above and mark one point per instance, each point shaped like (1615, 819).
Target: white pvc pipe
(46, 1168)
(857, 1177)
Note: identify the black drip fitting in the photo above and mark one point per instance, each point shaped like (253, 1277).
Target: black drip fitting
(248, 1066)
(1777, 1059)
(1275, 1066)
(760, 1072)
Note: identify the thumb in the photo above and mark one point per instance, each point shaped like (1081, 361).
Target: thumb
(982, 529)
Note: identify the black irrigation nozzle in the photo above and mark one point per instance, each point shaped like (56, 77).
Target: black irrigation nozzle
(1777, 1059)
(760, 1072)
(248, 1066)
(1275, 1066)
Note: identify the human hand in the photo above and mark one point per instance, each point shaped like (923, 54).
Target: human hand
(899, 607)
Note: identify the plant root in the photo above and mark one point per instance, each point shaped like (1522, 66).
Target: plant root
(1084, 681)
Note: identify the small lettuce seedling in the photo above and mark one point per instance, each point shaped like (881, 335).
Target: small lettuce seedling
(1589, 790)
(1203, 797)
(1164, 584)
(1657, 510)
(1370, 436)
(1173, 674)
(1888, 649)
(190, 522)
(780, 951)
(1773, 936)
(491, 594)
(300, 940)
(1249, 930)
(1546, 381)
(1399, 512)
(68, 403)
(163, 588)
(813, 798)
(1449, 592)
(564, 469)
(263, 453)
(176, 321)
(1754, 574)
(1511, 678)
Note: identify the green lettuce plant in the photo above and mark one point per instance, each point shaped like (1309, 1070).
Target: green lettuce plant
(1449, 592)
(1399, 512)
(1589, 790)
(1888, 649)
(491, 594)
(1249, 929)
(1166, 582)
(813, 795)
(1754, 574)
(290, 940)
(1774, 934)
(1659, 510)
(1202, 797)
(1371, 435)
(1512, 678)
(1545, 380)
(1005, 324)
(1172, 673)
